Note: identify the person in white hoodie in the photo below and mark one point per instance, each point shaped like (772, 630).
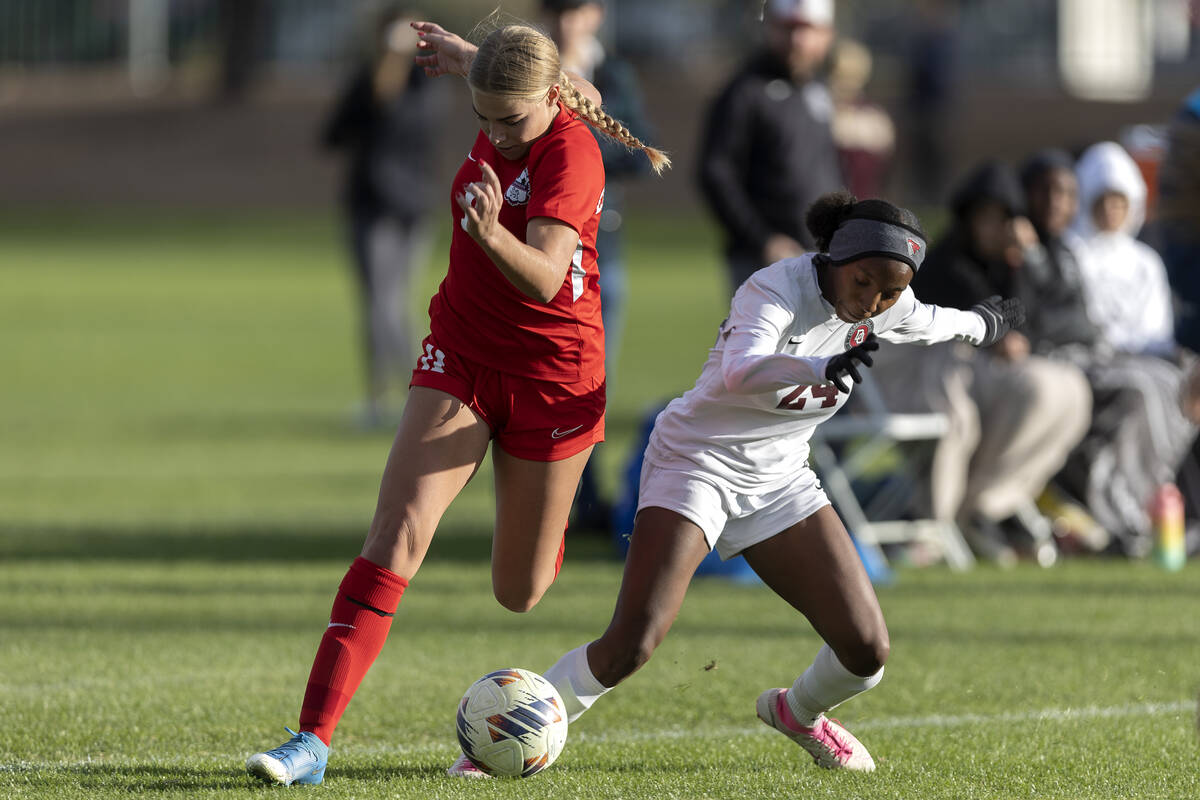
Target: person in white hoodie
(1125, 281)
(1141, 430)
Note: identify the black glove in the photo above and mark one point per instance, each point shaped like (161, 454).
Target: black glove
(999, 317)
(847, 363)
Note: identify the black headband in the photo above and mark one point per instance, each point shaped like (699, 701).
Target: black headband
(858, 238)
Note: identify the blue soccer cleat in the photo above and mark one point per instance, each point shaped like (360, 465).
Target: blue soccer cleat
(300, 759)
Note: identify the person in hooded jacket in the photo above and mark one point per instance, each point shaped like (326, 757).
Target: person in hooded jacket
(1146, 410)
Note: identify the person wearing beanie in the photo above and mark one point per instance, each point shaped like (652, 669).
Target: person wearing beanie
(1014, 415)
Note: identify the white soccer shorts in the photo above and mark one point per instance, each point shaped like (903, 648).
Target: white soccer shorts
(731, 520)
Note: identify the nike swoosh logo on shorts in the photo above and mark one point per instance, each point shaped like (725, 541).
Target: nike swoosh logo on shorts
(557, 434)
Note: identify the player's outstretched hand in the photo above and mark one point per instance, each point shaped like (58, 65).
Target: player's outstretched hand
(441, 52)
(999, 317)
(847, 363)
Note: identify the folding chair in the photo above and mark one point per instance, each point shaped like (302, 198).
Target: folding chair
(874, 431)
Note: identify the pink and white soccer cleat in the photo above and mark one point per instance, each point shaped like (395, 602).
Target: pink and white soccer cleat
(463, 767)
(830, 745)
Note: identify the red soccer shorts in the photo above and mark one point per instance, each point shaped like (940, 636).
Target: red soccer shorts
(531, 419)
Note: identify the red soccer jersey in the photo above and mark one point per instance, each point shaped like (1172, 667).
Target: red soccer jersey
(479, 314)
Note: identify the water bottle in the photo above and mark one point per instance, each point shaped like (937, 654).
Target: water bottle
(1166, 514)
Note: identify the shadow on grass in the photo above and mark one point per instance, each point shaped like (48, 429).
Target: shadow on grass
(309, 426)
(188, 781)
(248, 543)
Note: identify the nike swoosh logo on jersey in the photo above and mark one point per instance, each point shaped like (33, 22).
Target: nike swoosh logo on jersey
(339, 625)
(795, 339)
(470, 157)
(557, 434)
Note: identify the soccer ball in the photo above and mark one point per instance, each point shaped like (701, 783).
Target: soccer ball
(512, 723)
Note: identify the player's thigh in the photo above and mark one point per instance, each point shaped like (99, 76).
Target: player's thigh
(438, 447)
(814, 566)
(533, 502)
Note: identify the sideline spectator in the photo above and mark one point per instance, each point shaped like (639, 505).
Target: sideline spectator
(1139, 441)
(1179, 213)
(863, 132)
(932, 92)
(573, 25)
(1014, 415)
(1057, 321)
(1179, 218)
(387, 122)
(767, 150)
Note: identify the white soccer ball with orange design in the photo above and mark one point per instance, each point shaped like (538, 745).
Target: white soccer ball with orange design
(512, 723)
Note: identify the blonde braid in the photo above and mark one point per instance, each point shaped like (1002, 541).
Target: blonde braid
(611, 127)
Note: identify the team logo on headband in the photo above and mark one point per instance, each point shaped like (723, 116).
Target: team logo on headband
(859, 332)
(914, 247)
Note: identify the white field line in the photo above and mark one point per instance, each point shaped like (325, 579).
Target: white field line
(449, 747)
(931, 721)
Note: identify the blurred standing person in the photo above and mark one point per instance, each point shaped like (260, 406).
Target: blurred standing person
(574, 25)
(767, 150)
(1179, 212)
(515, 354)
(862, 131)
(931, 85)
(1014, 415)
(386, 121)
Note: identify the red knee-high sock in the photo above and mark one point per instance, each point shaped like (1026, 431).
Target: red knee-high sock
(358, 625)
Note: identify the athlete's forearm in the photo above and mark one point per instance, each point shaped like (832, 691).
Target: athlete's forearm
(929, 324)
(534, 272)
(754, 374)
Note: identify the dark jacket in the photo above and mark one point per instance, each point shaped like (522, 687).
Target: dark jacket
(618, 87)
(954, 276)
(391, 149)
(1050, 283)
(767, 153)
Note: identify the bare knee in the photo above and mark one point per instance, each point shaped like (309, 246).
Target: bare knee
(520, 598)
(396, 542)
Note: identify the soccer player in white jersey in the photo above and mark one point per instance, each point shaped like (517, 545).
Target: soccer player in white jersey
(726, 466)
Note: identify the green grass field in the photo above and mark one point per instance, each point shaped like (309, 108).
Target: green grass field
(182, 487)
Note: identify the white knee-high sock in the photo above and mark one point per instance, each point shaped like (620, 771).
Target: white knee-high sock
(824, 685)
(574, 680)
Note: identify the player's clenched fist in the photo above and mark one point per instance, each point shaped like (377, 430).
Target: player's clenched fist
(999, 317)
(480, 202)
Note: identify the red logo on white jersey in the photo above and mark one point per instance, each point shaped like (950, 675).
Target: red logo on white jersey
(859, 332)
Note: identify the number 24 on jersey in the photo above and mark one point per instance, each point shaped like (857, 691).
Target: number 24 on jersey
(795, 399)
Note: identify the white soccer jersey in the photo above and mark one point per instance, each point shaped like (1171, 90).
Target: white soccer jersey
(747, 421)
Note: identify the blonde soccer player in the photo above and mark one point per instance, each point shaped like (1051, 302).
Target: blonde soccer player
(515, 356)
